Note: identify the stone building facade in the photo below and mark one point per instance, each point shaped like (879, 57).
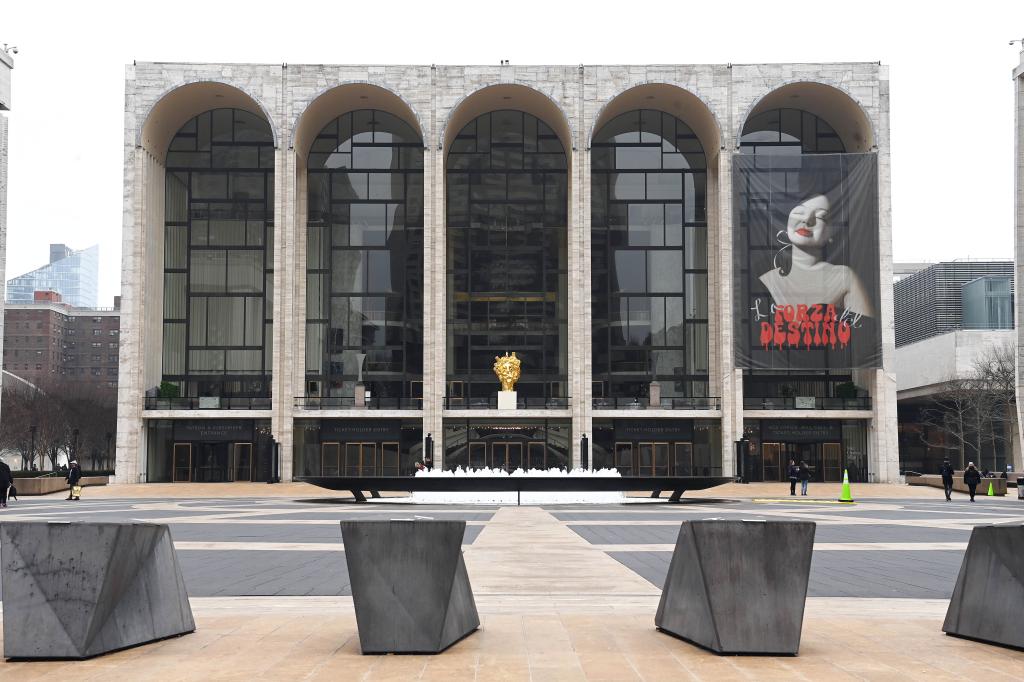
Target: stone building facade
(161, 428)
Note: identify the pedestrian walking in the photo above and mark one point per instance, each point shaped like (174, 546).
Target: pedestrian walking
(793, 472)
(972, 477)
(805, 476)
(73, 477)
(6, 481)
(946, 471)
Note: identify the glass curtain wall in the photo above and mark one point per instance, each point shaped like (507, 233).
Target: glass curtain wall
(218, 256)
(364, 262)
(791, 132)
(507, 203)
(650, 260)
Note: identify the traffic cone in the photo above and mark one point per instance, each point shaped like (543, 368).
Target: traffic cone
(991, 493)
(845, 496)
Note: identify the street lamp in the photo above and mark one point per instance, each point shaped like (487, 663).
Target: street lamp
(32, 446)
(106, 454)
(74, 446)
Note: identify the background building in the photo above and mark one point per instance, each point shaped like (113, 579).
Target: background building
(6, 65)
(952, 321)
(72, 274)
(54, 346)
(1018, 181)
(330, 257)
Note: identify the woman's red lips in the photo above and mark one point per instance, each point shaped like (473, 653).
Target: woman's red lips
(804, 232)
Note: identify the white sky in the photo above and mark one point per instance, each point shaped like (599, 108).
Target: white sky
(950, 68)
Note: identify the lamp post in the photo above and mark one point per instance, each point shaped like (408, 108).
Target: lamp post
(74, 446)
(106, 454)
(584, 452)
(32, 446)
(428, 451)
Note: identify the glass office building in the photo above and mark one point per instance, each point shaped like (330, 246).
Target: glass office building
(72, 274)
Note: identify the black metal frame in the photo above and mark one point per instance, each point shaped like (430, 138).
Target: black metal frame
(665, 147)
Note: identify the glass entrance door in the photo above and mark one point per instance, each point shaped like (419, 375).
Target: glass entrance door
(832, 462)
(682, 461)
(182, 463)
(360, 459)
(507, 456)
(330, 459)
(770, 454)
(653, 459)
(243, 468)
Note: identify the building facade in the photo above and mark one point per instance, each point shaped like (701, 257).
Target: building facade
(72, 274)
(6, 66)
(52, 345)
(329, 258)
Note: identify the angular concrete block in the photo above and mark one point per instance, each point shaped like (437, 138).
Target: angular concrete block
(738, 587)
(988, 600)
(409, 585)
(75, 590)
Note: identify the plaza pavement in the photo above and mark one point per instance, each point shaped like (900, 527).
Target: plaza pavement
(564, 592)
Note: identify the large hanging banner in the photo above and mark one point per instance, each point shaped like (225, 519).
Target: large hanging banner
(806, 261)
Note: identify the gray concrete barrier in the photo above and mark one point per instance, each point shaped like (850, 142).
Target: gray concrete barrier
(409, 585)
(738, 587)
(988, 600)
(77, 590)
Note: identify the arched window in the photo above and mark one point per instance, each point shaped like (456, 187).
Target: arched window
(789, 131)
(364, 260)
(507, 199)
(218, 256)
(649, 259)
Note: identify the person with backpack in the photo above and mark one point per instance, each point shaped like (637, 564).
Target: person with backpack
(972, 478)
(946, 471)
(805, 476)
(793, 472)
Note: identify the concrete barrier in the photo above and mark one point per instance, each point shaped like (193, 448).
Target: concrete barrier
(44, 485)
(77, 590)
(738, 587)
(409, 583)
(988, 600)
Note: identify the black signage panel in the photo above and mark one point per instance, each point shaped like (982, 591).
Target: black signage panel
(214, 430)
(653, 429)
(351, 430)
(800, 431)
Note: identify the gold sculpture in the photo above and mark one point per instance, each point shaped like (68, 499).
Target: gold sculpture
(506, 367)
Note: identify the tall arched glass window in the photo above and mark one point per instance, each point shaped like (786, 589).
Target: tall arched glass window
(364, 260)
(789, 131)
(507, 202)
(649, 259)
(218, 256)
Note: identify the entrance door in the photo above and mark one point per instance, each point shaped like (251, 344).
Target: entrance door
(653, 459)
(770, 454)
(388, 460)
(243, 462)
(682, 462)
(212, 465)
(182, 463)
(360, 459)
(536, 456)
(624, 458)
(330, 459)
(832, 462)
(478, 455)
(507, 456)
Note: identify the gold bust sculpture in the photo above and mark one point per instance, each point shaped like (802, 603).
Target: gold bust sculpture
(507, 368)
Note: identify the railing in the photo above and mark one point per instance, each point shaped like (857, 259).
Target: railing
(207, 403)
(491, 403)
(678, 403)
(808, 403)
(349, 403)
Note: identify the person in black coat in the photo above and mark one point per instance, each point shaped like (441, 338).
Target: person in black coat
(74, 476)
(971, 479)
(805, 476)
(6, 481)
(793, 473)
(946, 471)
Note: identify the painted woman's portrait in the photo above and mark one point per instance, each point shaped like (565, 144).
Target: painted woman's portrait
(801, 273)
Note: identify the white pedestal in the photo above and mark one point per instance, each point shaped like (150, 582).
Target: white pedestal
(506, 400)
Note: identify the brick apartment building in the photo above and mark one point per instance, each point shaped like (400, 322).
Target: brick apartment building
(48, 341)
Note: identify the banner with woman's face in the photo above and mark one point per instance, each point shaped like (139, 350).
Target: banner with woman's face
(806, 271)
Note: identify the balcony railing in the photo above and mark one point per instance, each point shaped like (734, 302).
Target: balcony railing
(807, 403)
(491, 403)
(207, 403)
(349, 403)
(677, 403)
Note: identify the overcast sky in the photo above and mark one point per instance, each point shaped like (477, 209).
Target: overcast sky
(952, 93)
